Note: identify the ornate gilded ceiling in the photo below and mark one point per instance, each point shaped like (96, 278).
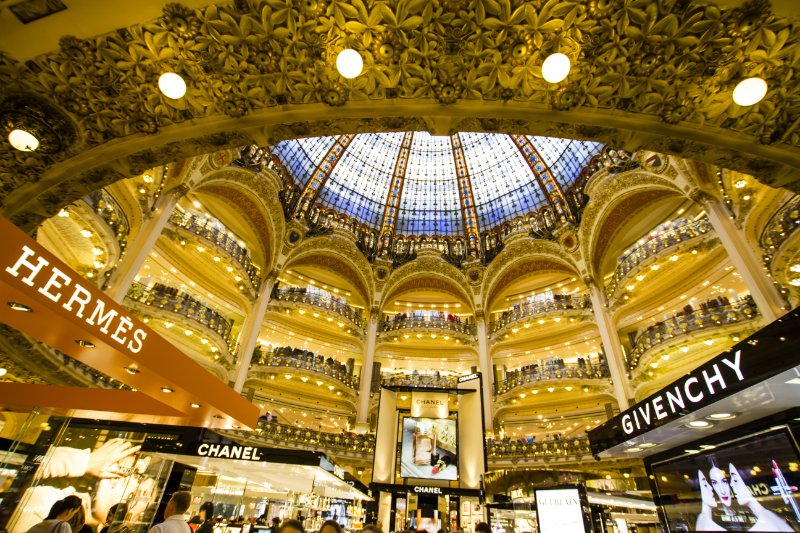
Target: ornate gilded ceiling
(646, 74)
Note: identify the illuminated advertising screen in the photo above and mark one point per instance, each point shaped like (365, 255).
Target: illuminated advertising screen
(750, 484)
(559, 510)
(429, 448)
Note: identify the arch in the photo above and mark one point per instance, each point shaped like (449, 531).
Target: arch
(427, 271)
(611, 203)
(338, 254)
(264, 103)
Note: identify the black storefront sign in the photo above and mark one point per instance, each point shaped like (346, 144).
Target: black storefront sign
(766, 353)
(425, 489)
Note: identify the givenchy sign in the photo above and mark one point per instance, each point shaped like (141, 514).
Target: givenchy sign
(229, 451)
(36, 272)
(429, 404)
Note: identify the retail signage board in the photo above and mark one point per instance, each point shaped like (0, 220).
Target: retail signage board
(425, 489)
(764, 354)
(560, 509)
(231, 451)
(430, 404)
(57, 306)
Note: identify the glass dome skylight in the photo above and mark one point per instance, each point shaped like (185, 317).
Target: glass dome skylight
(410, 179)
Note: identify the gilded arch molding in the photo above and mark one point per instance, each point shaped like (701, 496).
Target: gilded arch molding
(427, 271)
(102, 118)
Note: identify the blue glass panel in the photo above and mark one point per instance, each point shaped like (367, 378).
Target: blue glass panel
(301, 156)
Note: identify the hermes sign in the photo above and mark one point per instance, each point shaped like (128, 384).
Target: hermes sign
(429, 404)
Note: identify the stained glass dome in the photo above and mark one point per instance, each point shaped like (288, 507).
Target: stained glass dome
(414, 183)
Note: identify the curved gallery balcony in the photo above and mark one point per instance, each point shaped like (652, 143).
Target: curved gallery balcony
(713, 315)
(109, 210)
(561, 305)
(548, 449)
(433, 324)
(172, 300)
(416, 380)
(781, 226)
(213, 232)
(308, 363)
(271, 432)
(318, 301)
(550, 370)
(670, 237)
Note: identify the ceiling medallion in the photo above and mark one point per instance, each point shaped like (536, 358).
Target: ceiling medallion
(46, 123)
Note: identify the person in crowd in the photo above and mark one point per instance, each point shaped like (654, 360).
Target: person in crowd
(206, 515)
(173, 514)
(330, 526)
(57, 520)
(482, 527)
(371, 528)
(116, 514)
(291, 526)
(78, 522)
(276, 524)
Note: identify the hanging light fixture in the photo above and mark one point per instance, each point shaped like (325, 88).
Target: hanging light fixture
(556, 67)
(750, 91)
(23, 140)
(172, 85)
(349, 63)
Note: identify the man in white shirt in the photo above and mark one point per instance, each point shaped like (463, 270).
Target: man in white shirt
(173, 514)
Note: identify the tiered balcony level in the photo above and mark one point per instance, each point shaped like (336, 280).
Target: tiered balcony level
(570, 306)
(311, 365)
(301, 299)
(541, 372)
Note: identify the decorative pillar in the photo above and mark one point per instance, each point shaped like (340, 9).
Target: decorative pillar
(140, 247)
(365, 387)
(615, 358)
(251, 328)
(485, 363)
(744, 259)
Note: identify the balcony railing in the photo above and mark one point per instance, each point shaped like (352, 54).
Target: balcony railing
(655, 244)
(325, 302)
(780, 228)
(517, 448)
(108, 209)
(284, 358)
(528, 309)
(208, 229)
(430, 381)
(171, 299)
(443, 323)
(738, 311)
(547, 370)
(272, 431)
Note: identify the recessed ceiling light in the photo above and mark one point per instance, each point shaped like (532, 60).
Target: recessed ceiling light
(647, 444)
(555, 68)
(16, 306)
(22, 140)
(132, 370)
(195, 406)
(167, 390)
(632, 449)
(172, 85)
(721, 416)
(750, 91)
(84, 344)
(349, 63)
(698, 424)
(692, 451)
(3, 372)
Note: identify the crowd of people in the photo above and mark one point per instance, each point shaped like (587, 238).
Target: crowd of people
(297, 357)
(423, 318)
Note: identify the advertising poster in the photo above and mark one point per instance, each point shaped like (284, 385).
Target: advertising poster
(429, 449)
(559, 510)
(750, 484)
(104, 468)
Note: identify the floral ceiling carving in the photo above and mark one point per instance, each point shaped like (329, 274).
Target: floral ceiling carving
(653, 74)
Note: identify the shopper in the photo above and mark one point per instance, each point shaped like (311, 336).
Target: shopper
(482, 527)
(60, 512)
(276, 524)
(173, 514)
(330, 526)
(291, 526)
(206, 517)
(78, 522)
(371, 528)
(112, 520)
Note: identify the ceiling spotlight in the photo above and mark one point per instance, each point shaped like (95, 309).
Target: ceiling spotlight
(195, 406)
(698, 424)
(16, 306)
(22, 140)
(647, 444)
(172, 85)
(750, 91)
(721, 416)
(633, 449)
(167, 390)
(555, 68)
(84, 344)
(132, 370)
(349, 63)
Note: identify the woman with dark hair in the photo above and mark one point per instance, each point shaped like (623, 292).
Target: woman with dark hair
(115, 517)
(291, 526)
(60, 512)
(330, 526)
(206, 517)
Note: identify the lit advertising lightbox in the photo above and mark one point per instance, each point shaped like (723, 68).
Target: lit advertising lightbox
(749, 484)
(561, 510)
(429, 448)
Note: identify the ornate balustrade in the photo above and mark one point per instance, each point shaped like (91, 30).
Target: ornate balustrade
(738, 311)
(324, 302)
(272, 431)
(517, 449)
(400, 322)
(109, 210)
(546, 370)
(172, 300)
(530, 309)
(283, 358)
(208, 229)
(653, 246)
(780, 227)
(429, 381)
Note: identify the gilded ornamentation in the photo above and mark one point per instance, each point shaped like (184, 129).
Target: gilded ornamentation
(421, 272)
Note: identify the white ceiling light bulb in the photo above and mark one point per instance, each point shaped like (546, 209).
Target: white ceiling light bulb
(555, 68)
(750, 91)
(172, 85)
(22, 140)
(349, 63)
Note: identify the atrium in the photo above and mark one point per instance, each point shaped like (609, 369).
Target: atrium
(309, 238)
